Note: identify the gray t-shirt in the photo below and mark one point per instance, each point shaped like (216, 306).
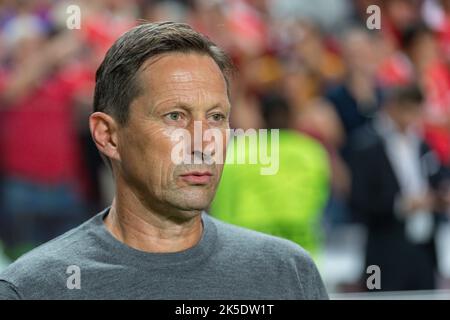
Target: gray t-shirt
(229, 262)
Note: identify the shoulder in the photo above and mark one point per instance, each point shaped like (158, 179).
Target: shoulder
(8, 291)
(273, 257)
(252, 243)
(46, 264)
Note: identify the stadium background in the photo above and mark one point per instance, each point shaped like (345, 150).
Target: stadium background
(312, 68)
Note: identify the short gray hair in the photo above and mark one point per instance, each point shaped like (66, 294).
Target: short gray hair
(116, 84)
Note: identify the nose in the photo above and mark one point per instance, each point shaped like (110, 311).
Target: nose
(197, 129)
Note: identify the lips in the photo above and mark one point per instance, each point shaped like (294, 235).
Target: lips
(197, 177)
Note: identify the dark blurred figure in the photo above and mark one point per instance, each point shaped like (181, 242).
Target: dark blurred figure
(394, 184)
(358, 98)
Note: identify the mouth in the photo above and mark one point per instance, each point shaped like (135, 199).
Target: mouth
(197, 177)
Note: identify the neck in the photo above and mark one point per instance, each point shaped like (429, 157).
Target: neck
(141, 228)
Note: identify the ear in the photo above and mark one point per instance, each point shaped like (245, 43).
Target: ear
(104, 133)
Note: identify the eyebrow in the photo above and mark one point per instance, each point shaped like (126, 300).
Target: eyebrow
(190, 108)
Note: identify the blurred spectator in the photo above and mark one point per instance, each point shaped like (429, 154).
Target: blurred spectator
(422, 60)
(421, 46)
(395, 179)
(40, 187)
(327, 14)
(358, 98)
(319, 120)
(287, 204)
(46, 83)
(398, 16)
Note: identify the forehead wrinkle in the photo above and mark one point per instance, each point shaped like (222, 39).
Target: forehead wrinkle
(182, 76)
(183, 84)
(184, 72)
(187, 91)
(188, 86)
(190, 101)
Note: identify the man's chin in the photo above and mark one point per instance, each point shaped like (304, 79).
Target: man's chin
(194, 206)
(187, 212)
(195, 200)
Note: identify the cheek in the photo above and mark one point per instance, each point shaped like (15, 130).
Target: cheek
(158, 155)
(225, 141)
(147, 154)
(219, 169)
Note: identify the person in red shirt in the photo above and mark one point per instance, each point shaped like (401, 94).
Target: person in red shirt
(40, 165)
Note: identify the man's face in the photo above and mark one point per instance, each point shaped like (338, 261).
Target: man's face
(178, 89)
(408, 117)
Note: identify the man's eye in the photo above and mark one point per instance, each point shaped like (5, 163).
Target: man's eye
(175, 116)
(218, 117)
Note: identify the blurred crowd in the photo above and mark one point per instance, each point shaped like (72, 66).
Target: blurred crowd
(364, 119)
